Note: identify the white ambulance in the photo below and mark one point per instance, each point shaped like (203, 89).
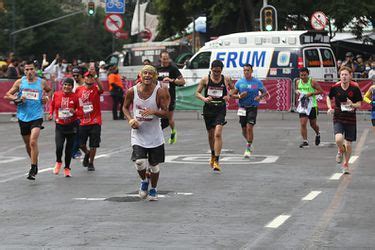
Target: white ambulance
(272, 54)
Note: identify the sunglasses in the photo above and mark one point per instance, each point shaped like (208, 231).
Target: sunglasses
(28, 69)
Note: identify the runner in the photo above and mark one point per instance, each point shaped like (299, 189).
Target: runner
(90, 117)
(308, 89)
(30, 100)
(370, 98)
(149, 102)
(214, 109)
(249, 90)
(64, 105)
(170, 77)
(348, 98)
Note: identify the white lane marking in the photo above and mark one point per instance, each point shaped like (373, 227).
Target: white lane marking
(278, 221)
(89, 199)
(336, 176)
(186, 194)
(233, 159)
(7, 159)
(312, 195)
(43, 170)
(101, 156)
(353, 159)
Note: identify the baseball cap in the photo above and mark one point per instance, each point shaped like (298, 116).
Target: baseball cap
(101, 63)
(349, 54)
(77, 70)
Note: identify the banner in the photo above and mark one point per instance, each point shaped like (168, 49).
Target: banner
(138, 21)
(279, 96)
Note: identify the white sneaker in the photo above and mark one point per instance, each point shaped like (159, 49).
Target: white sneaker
(247, 153)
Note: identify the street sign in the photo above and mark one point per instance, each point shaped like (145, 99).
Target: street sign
(121, 34)
(115, 6)
(113, 22)
(318, 20)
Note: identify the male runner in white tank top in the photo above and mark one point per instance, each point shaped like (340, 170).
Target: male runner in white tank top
(150, 103)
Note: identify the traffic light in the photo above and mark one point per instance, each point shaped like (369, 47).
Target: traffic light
(268, 18)
(90, 8)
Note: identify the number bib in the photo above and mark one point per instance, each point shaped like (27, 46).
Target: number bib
(346, 107)
(64, 114)
(241, 112)
(139, 116)
(215, 92)
(88, 108)
(30, 95)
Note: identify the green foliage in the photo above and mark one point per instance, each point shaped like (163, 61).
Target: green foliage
(78, 36)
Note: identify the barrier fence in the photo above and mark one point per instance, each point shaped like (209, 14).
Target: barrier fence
(281, 95)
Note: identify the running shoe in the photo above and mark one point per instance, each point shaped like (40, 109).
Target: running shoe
(317, 140)
(212, 161)
(67, 172)
(57, 168)
(153, 194)
(85, 161)
(143, 189)
(216, 167)
(304, 144)
(90, 167)
(173, 138)
(345, 168)
(32, 173)
(340, 155)
(247, 153)
(77, 155)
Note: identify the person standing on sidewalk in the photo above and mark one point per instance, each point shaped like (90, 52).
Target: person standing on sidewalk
(215, 96)
(150, 103)
(308, 89)
(249, 91)
(348, 98)
(30, 100)
(116, 89)
(170, 77)
(90, 117)
(64, 107)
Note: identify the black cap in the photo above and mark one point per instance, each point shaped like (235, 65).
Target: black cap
(69, 81)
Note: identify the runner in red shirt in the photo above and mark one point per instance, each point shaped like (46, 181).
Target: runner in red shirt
(64, 106)
(90, 116)
(348, 98)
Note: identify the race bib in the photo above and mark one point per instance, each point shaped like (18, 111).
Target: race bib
(64, 113)
(88, 108)
(139, 116)
(346, 107)
(241, 112)
(30, 95)
(215, 92)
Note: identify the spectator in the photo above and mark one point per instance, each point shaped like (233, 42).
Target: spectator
(116, 88)
(349, 62)
(12, 71)
(371, 73)
(360, 68)
(102, 71)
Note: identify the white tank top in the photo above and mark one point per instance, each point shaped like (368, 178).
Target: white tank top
(149, 134)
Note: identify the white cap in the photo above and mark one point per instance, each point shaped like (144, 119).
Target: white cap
(101, 63)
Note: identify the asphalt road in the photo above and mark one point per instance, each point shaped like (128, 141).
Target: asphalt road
(282, 198)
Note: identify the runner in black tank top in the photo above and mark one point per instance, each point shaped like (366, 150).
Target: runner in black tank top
(214, 110)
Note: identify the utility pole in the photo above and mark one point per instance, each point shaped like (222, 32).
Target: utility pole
(12, 39)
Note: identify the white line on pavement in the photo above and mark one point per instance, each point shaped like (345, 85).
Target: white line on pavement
(278, 221)
(353, 159)
(312, 195)
(89, 199)
(336, 176)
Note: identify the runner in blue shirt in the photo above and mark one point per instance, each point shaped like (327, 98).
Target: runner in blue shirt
(249, 90)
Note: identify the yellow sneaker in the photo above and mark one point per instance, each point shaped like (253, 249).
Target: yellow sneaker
(216, 167)
(212, 160)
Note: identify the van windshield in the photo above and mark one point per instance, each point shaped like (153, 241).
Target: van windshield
(327, 58)
(201, 61)
(312, 58)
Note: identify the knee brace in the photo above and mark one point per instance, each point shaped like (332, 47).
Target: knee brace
(155, 169)
(141, 164)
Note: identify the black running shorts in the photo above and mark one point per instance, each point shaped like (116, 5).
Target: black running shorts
(348, 130)
(26, 127)
(91, 132)
(313, 114)
(251, 117)
(154, 155)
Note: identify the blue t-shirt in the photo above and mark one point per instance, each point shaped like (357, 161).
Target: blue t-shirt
(252, 87)
(32, 108)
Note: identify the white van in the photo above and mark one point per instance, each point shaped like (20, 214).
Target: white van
(272, 54)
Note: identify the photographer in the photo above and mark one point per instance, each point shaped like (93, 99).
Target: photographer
(349, 62)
